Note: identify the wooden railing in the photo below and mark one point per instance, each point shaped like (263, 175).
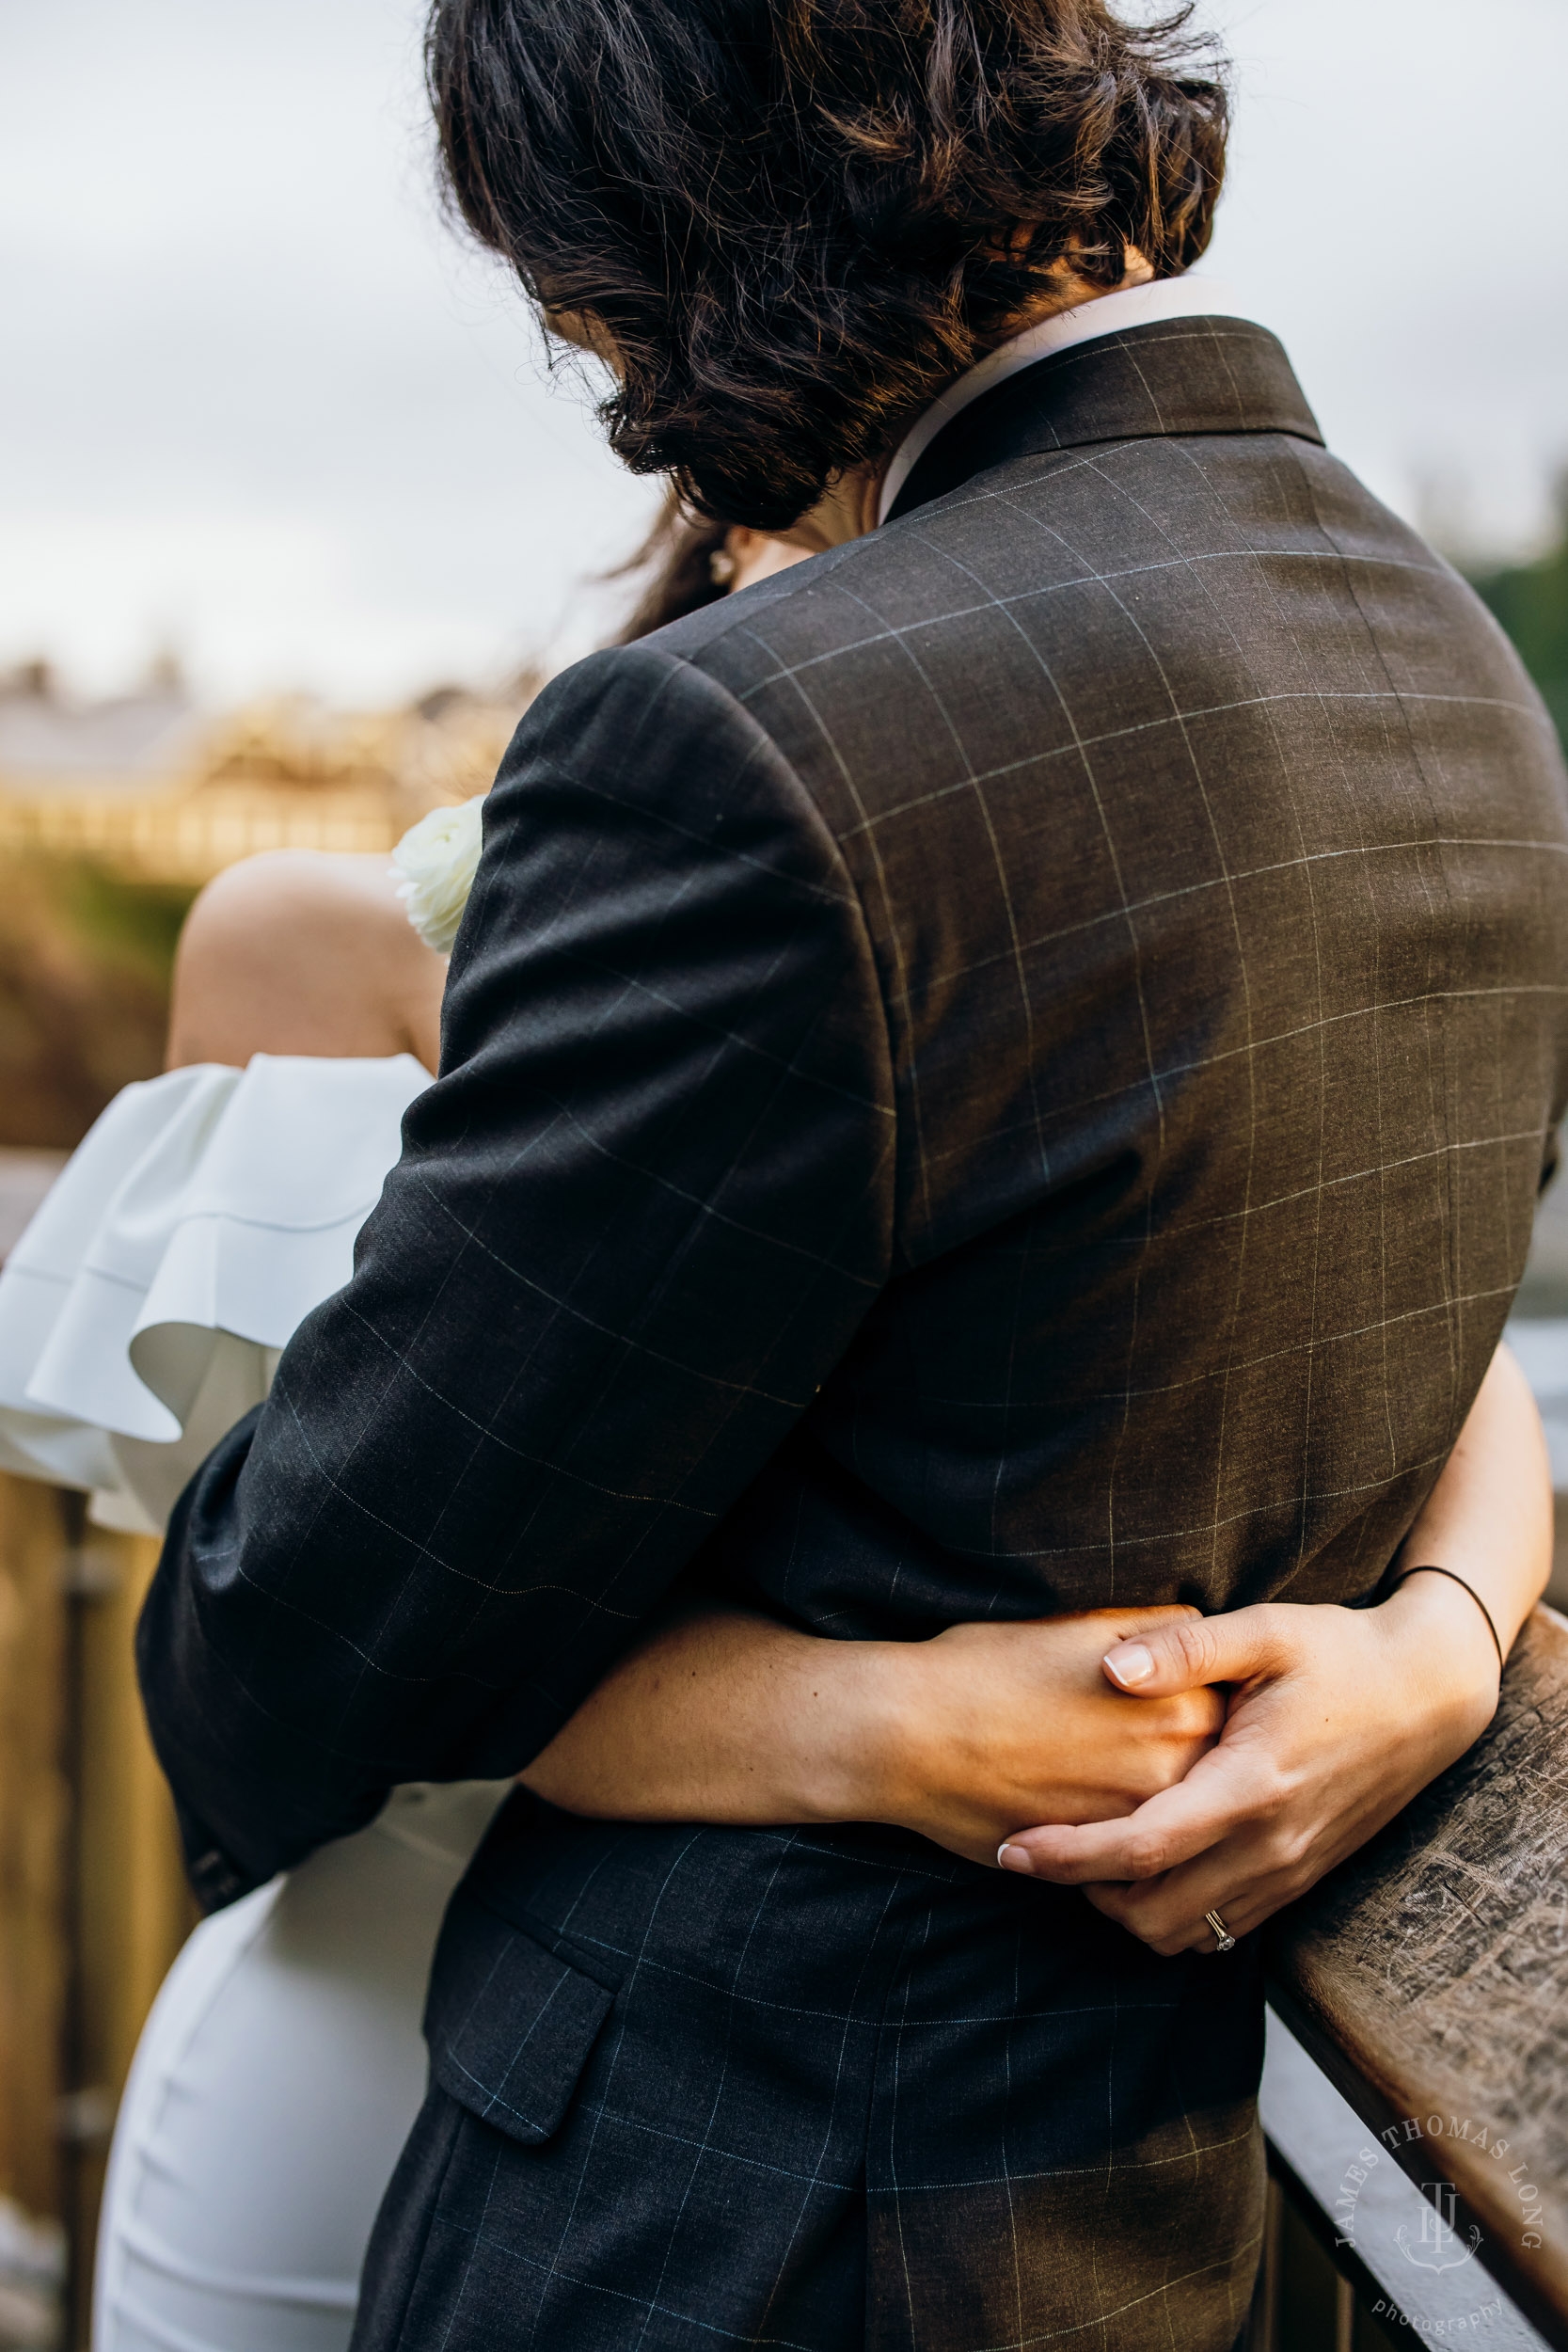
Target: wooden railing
(1416, 2094)
(93, 1905)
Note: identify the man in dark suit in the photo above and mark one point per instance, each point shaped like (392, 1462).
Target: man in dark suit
(1004, 1070)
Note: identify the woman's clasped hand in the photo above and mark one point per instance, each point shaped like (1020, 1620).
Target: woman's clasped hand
(993, 1723)
(1334, 1717)
(1313, 1758)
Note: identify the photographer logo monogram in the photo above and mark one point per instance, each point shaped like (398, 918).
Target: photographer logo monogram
(1438, 2243)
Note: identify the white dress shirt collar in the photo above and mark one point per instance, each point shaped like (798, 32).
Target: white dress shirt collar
(1191, 296)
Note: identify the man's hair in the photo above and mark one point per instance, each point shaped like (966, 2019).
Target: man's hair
(795, 219)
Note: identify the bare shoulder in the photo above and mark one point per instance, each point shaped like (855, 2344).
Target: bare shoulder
(270, 895)
(303, 951)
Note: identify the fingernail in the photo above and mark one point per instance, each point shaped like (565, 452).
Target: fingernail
(1015, 1858)
(1130, 1664)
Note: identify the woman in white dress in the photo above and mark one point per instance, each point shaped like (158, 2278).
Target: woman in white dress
(206, 1213)
(141, 1314)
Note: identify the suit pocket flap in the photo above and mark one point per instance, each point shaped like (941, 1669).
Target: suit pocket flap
(510, 2026)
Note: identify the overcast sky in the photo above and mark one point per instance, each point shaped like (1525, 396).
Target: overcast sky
(257, 405)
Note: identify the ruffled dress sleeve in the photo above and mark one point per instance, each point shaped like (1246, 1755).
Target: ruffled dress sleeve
(207, 1212)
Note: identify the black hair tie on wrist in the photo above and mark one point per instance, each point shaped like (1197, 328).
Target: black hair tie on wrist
(1430, 1568)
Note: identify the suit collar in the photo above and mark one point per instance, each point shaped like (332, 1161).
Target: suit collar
(1174, 376)
(1193, 294)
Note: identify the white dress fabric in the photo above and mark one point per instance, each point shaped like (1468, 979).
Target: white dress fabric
(272, 2090)
(205, 1214)
(141, 1313)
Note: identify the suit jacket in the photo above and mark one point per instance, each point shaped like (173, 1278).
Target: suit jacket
(1005, 1069)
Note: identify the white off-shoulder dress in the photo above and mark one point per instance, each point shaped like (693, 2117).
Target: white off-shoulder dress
(141, 1314)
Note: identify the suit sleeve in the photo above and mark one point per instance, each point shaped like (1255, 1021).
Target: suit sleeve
(635, 1223)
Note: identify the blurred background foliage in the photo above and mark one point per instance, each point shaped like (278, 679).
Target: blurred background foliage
(85, 963)
(1531, 602)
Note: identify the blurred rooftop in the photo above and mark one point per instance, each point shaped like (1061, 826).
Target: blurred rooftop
(44, 732)
(155, 789)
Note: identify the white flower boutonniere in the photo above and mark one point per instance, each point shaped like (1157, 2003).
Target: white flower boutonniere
(437, 859)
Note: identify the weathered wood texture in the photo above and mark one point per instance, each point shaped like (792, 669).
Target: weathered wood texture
(1428, 1977)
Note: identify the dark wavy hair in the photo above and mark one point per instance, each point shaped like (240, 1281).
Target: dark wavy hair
(673, 569)
(794, 219)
